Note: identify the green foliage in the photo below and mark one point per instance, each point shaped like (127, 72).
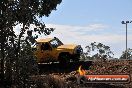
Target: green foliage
(129, 54)
(26, 11)
(100, 50)
(17, 59)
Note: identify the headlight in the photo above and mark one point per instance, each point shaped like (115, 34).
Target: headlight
(78, 50)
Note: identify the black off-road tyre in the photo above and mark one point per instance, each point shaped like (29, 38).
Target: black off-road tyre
(64, 59)
(76, 58)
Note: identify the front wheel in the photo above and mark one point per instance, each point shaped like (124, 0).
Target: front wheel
(76, 58)
(64, 59)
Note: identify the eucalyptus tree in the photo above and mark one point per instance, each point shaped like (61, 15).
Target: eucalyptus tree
(129, 54)
(99, 50)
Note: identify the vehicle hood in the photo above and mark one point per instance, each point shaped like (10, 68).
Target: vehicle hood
(67, 46)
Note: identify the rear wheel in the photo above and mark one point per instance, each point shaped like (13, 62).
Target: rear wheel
(64, 58)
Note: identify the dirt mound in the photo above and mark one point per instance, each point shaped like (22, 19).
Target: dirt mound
(69, 80)
(111, 67)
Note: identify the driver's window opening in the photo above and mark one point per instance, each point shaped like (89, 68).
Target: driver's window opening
(55, 43)
(45, 46)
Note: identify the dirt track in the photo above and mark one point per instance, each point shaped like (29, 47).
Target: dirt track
(68, 78)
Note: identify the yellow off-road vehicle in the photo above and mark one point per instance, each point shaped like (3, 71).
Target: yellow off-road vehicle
(52, 49)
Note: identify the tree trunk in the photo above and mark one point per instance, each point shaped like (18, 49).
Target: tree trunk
(2, 65)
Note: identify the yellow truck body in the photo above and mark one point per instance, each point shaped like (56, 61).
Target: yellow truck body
(52, 49)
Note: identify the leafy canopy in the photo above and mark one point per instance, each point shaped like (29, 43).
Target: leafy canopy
(14, 52)
(100, 50)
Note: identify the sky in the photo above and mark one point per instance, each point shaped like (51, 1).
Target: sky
(85, 21)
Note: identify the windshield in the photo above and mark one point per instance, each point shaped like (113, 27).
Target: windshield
(55, 43)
